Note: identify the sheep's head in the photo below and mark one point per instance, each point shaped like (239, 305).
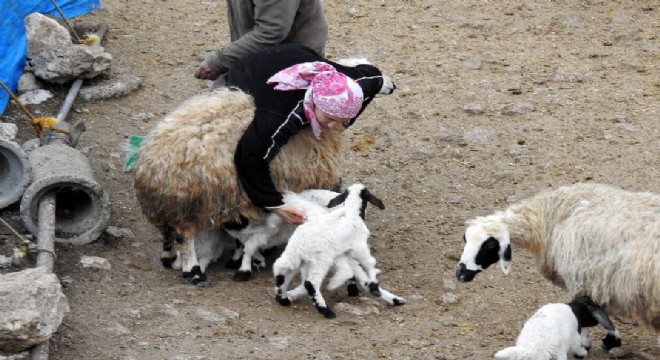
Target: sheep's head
(365, 196)
(486, 242)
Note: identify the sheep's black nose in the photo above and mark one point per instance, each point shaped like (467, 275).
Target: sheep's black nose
(463, 274)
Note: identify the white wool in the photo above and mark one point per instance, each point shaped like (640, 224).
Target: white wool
(591, 239)
(337, 239)
(551, 333)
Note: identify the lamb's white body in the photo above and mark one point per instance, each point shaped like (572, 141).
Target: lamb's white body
(337, 239)
(591, 239)
(550, 334)
(272, 231)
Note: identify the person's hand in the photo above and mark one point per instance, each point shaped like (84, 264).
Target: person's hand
(290, 215)
(204, 72)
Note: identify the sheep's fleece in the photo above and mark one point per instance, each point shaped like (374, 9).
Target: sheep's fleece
(592, 239)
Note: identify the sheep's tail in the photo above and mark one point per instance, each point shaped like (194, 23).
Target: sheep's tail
(132, 146)
(515, 353)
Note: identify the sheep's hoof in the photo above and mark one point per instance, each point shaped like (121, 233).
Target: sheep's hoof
(242, 275)
(187, 274)
(353, 290)
(329, 314)
(610, 341)
(233, 264)
(283, 301)
(397, 302)
(168, 261)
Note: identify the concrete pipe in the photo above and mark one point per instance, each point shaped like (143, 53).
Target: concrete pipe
(83, 208)
(15, 172)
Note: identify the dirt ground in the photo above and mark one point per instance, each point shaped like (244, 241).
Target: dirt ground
(496, 101)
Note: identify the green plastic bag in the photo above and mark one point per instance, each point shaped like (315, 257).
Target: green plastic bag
(132, 146)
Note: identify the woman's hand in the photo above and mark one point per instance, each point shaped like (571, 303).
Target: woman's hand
(290, 215)
(205, 72)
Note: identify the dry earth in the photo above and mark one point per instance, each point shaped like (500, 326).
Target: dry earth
(496, 101)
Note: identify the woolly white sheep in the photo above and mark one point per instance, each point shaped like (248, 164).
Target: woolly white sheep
(322, 241)
(185, 178)
(590, 239)
(556, 331)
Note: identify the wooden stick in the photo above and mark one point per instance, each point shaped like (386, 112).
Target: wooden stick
(18, 102)
(66, 21)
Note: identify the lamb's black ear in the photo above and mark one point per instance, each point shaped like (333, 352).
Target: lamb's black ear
(338, 200)
(372, 199)
(600, 316)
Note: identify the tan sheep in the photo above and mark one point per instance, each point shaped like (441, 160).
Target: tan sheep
(186, 181)
(591, 239)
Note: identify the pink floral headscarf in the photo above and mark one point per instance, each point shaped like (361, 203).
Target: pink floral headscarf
(331, 91)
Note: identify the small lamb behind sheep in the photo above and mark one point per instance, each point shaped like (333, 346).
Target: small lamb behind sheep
(590, 239)
(337, 239)
(558, 330)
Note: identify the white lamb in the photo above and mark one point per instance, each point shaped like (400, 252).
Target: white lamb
(556, 331)
(337, 239)
(591, 239)
(271, 231)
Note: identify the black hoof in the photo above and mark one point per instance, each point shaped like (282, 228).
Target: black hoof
(353, 290)
(242, 275)
(233, 264)
(168, 261)
(610, 341)
(329, 314)
(398, 302)
(187, 274)
(283, 301)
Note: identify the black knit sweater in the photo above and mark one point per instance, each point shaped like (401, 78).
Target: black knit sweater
(279, 114)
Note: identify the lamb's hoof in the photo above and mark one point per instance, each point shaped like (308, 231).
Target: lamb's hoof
(187, 274)
(329, 314)
(353, 290)
(283, 301)
(168, 261)
(242, 275)
(397, 302)
(233, 264)
(610, 341)
(374, 289)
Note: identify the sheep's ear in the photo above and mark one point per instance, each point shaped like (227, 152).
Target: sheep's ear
(373, 199)
(338, 200)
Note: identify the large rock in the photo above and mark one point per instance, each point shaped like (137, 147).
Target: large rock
(32, 307)
(44, 33)
(62, 65)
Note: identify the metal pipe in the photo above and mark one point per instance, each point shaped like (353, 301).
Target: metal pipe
(46, 236)
(47, 209)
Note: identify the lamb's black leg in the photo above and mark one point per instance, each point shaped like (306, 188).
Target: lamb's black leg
(318, 301)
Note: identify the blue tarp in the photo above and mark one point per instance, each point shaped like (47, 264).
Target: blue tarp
(13, 45)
